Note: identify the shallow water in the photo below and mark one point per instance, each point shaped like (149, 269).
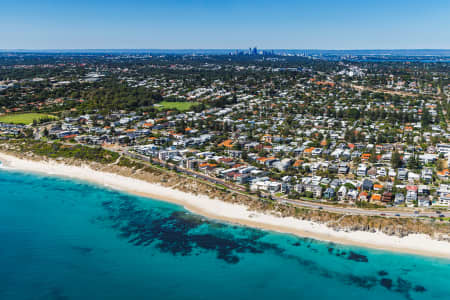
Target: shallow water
(65, 239)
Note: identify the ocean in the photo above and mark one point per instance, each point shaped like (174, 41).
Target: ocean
(67, 239)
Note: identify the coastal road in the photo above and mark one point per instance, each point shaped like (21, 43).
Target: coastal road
(358, 211)
(300, 203)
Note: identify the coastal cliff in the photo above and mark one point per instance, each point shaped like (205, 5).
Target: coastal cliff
(106, 161)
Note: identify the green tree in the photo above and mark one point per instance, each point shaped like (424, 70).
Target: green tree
(413, 162)
(396, 160)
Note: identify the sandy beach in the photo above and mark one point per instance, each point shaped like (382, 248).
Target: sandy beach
(216, 209)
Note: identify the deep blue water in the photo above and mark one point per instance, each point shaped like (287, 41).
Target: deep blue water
(63, 239)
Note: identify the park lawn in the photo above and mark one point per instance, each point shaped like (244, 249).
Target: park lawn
(26, 118)
(180, 106)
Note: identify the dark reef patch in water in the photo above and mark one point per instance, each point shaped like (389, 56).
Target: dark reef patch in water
(357, 257)
(404, 287)
(419, 288)
(337, 252)
(181, 233)
(386, 282)
(366, 282)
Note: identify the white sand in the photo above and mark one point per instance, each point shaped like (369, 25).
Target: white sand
(213, 208)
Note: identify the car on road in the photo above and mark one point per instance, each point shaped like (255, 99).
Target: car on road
(441, 216)
(382, 214)
(320, 207)
(416, 212)
(397, 215)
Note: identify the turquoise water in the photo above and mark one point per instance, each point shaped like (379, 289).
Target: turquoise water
(63, 239)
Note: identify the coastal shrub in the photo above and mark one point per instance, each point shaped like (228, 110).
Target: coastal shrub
(56, 150)
(126, 162)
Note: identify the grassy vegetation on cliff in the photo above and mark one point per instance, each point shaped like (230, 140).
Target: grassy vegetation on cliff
(57, 150)
(126, 162)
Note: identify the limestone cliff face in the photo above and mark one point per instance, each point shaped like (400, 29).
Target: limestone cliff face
(400, 227)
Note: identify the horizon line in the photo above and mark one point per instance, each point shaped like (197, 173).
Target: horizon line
(218, 49)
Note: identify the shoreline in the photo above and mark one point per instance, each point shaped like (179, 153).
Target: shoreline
(417, 244)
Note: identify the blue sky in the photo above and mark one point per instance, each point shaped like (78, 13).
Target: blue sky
(288, 24)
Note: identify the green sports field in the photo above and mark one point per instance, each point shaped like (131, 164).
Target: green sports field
(181, 106)
(26, 118)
